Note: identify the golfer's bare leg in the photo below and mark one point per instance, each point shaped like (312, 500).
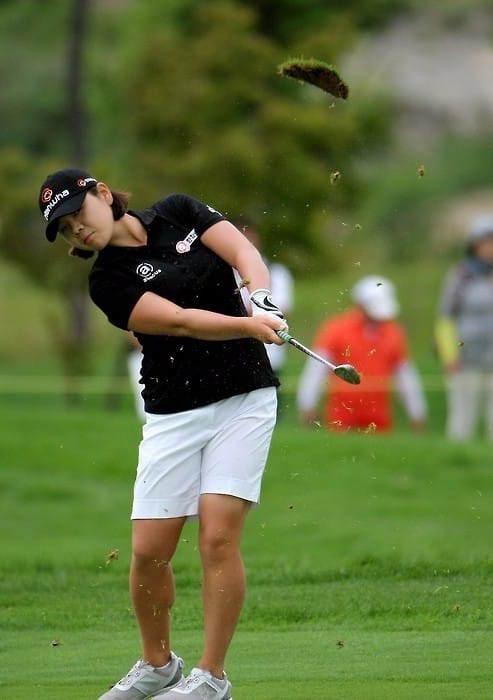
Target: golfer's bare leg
(152, 585)
(221, 520)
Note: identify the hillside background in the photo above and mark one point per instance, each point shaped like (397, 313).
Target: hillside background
(184, 95)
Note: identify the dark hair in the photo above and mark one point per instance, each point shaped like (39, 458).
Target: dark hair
(119, 206)
(80, 253)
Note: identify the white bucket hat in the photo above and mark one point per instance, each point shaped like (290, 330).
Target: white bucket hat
(376, 295)
(479, 228)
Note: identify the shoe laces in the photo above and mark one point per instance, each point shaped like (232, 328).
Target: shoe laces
(135, 672)
(197, 677)
(194, 679)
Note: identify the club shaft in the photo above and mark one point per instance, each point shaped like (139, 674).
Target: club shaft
(345, 372)
(296, 343)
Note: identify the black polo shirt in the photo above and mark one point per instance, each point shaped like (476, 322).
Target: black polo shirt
(180, 373)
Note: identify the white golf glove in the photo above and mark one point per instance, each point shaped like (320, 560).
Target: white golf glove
(262, 303)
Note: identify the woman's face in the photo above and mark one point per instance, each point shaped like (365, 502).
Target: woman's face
(90, 227)
(483, 249)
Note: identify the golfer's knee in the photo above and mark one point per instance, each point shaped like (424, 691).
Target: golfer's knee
(216, 546)
(145, 557)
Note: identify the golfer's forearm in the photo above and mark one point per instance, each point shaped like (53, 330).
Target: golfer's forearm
(207, 325)
(153, 315)
(191, 323)
(228, 243)
(253, 271)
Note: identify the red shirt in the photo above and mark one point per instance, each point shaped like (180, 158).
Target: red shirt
(376, 349)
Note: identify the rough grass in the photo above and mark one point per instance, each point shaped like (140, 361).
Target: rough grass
(369, 563)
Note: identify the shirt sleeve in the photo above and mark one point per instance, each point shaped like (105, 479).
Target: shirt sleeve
(324, 337)
(445, 330)
(314, 373)
(446, 340)
(450, 293)
(398, 344)
(189, 212)
(409, 387)
(310, 384)
(115, 294)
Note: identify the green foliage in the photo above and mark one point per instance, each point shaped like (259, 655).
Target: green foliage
(32, 71)
(282, 19)
(185, 95)
(22, 239)
(23, 244)
(257, 146)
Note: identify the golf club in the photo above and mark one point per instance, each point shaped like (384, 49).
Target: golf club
(346, 372)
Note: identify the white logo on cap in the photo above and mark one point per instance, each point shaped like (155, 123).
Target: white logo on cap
(59, 196)
(83, 181)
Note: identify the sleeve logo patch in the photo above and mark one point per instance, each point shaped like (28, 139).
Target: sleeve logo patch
(185, 245)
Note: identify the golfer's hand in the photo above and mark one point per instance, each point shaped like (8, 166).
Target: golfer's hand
(264, 326)
(262, 303)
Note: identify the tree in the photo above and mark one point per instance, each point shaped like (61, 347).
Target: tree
(209, 114)
(180, 94)
(286, 20)
(75, 358)
(17, 178)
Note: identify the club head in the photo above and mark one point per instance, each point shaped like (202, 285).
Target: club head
(348, 373)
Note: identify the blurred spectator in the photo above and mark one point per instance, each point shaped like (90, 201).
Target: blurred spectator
(368, 337)
(464, 334)
(128, 360)
(134, 361)
(282, 289)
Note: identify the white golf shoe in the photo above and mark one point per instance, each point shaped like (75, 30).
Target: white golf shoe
(199, 685)
(143, 680)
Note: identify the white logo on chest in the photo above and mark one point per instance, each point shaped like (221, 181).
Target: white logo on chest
(147, 271)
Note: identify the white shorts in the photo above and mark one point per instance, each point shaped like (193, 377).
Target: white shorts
(219, 448)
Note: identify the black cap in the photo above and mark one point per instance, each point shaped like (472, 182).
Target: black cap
(63, 192)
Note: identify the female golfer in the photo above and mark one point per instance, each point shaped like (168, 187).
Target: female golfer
(166, 273)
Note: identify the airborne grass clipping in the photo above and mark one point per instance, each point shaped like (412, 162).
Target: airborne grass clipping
(317, 73)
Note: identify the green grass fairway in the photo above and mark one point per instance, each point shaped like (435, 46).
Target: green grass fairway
(369, 563)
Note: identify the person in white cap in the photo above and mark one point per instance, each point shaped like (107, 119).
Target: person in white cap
(369, 337)
(464, 334)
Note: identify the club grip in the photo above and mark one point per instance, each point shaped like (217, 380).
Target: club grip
(284, 336)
